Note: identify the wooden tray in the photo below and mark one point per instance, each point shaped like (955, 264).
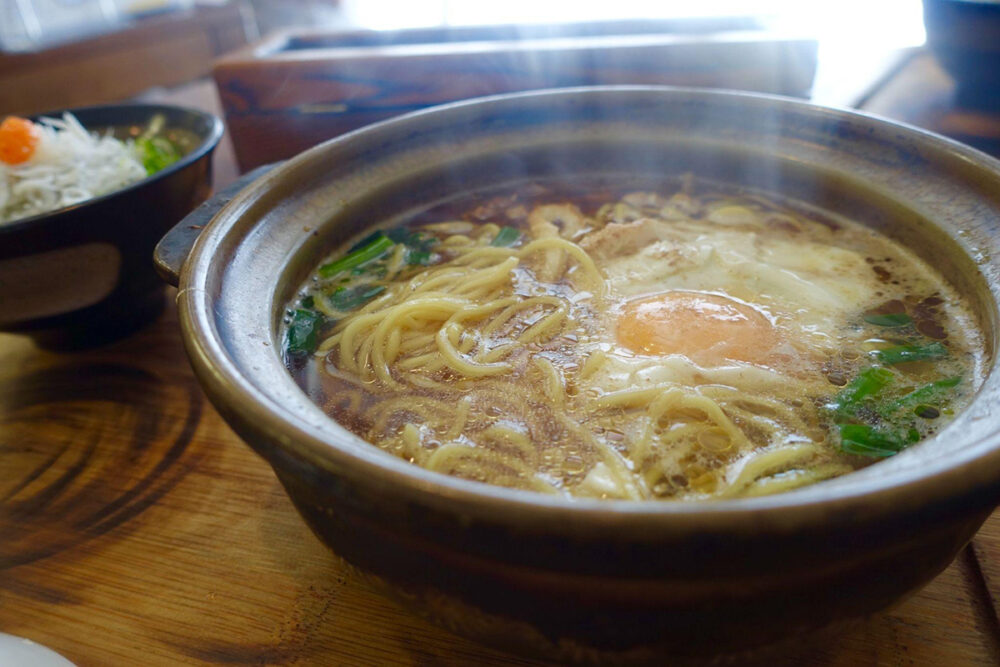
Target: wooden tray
(296, 89)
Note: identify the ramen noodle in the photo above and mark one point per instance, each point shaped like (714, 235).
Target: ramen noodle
(685, 343)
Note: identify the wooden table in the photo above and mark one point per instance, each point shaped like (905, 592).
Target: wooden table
(136, 529)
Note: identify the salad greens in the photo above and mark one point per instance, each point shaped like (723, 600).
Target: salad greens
(156, 153)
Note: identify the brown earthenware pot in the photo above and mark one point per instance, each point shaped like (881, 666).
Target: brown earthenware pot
(587, 579)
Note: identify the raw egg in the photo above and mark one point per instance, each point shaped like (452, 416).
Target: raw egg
(709, 329)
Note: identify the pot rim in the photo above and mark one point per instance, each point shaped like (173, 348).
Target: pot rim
(973, 473)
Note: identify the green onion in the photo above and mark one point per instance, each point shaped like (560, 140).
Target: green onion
(302, 331)
(374, 236)
(415, 240)
(372, 250)
(904, 353)
(349, 298)
(870, 441)
(867, 385)
(399, 234)
(889, 319)
(930, 393)
(507, 236)
(421, 257)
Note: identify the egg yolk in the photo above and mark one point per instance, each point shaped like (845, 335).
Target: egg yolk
(18, 140)
(706, 328)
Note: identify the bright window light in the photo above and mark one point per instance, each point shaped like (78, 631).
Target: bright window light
(891, 23)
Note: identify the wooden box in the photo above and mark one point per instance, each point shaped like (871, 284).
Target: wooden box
(296, 89)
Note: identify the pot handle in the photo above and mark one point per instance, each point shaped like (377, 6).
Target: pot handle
(176, 244)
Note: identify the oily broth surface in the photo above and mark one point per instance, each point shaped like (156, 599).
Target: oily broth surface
(680, 341)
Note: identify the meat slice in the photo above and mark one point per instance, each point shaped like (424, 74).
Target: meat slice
(617, 239)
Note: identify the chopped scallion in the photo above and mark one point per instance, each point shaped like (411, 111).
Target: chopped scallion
(374, 236)
(349, 298)
(888, 319)
(867, 385)
(372, 250)
(421, 257)
(903, 353)
(408, 237)
(870, 441)
(931, 393)
(507, 236)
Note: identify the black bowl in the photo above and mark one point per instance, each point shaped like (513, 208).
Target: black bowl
(81, 275)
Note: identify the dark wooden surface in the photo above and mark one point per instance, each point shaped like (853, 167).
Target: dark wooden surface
(136, 529)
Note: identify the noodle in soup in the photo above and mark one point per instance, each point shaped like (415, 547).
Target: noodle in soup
(590, 341)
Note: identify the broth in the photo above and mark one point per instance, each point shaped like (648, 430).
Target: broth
(679, 341)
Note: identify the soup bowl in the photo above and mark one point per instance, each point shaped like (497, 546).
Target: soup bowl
(589, 579)
(80, 275)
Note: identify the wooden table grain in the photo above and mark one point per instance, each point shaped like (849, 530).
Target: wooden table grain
(137, 529)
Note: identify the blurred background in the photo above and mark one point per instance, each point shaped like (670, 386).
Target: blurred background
(289, 73)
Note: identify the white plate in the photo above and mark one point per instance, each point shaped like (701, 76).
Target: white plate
(20, 652)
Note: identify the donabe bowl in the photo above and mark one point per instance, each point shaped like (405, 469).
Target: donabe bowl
(81, 275)
(587, 579)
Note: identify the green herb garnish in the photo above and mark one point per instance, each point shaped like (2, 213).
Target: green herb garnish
(904, 353)
(870, 441)
(303, 332)
(421, 257)
(889, 319)
(414, 240)
(507, 236)
(931, 393)
(366, 253)
(156, 153)
(879, 413)
(349, 298)
(374, 236)
(867, 386)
